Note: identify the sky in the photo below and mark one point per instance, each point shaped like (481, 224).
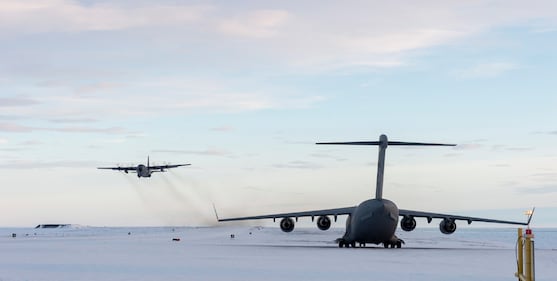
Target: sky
(242, 90)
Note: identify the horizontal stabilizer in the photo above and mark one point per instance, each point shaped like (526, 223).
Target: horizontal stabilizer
(388, 143)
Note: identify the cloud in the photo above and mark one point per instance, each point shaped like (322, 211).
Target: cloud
(72, 16)
(22, 146)
(298, 165)
(546, 176)
(284, 37)
(8, 117)
(110, 130)
(327, 35)
(10, 102)
(398, 42)
(157, 96)
(538, 190)
(222, 129)
(73, 120)
(97, 87)
(15, 128)
(504, 147)
(208, 152)
(326, 156)
(31, 143)
(177, 94)
(468, 146)
(545, 132)
(28, 164)
(477, 146)
(486, 70)
(12, 149)
(520, 148)
(255, 24)
(502, 165)
(365, 33)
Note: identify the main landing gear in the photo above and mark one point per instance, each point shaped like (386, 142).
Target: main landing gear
(392, 244)
(396, 243)
(348, 244)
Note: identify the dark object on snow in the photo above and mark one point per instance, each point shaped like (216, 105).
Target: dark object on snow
(52, 225)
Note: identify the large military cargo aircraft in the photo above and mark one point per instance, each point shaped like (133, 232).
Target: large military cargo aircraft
(374, 220)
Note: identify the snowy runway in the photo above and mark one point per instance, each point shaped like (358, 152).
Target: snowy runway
(92, 253)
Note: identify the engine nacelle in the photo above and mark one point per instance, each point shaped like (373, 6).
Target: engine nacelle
(408, 223)
(447, 226)
(323, 222)
(287, 224)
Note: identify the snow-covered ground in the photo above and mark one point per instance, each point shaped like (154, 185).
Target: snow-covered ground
(99, 253)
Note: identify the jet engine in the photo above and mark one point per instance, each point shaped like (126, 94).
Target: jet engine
(287, 224)
(447, 226)
(323, 222)
(408, 223)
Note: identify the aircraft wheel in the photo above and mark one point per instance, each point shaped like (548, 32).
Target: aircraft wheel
(386, 245)
(353, 244)
(398, 245)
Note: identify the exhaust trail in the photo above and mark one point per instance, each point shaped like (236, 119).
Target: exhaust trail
(189, 202)
(137, 189)
(206, 196)
(146, 200)
(194, 187)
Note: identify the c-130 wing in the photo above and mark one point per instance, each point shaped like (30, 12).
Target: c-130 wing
(125, 169)
(160, 168)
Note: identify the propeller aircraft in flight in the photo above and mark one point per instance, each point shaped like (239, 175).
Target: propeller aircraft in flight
(144, 170)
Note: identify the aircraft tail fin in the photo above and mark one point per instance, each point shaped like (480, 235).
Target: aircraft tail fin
(383, 143)
(148, 162)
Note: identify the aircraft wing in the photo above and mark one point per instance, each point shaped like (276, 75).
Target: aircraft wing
(162, 167)
(327, 212)
(125, 169)
(430, 216)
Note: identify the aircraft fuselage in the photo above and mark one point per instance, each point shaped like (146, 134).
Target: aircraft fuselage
(373, 221)
(143, 171)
